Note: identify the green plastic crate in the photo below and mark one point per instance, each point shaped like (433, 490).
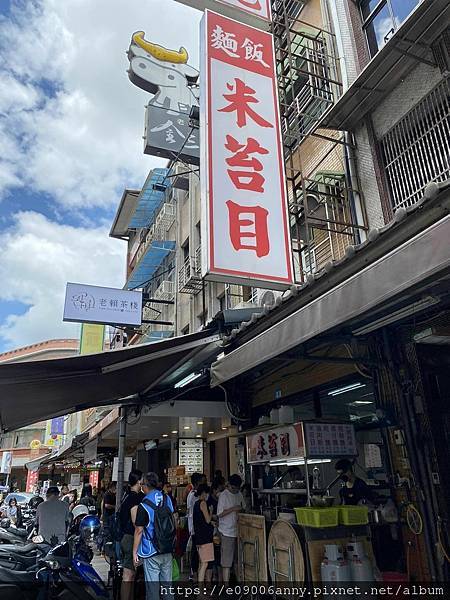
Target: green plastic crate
(353, 515)
(317, 517)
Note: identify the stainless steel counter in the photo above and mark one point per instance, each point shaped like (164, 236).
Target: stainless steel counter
(282, 491)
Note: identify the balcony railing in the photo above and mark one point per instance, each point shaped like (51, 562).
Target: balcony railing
(308, 76)
(157, 231)
(165, 291)
(323, 225)
(189, 275)
(165, 218)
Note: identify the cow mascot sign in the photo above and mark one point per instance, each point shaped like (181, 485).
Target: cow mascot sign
(174, 85)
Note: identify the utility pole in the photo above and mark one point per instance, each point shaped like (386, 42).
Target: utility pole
(121, 454)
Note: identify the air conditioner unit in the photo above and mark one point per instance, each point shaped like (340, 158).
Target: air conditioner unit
(266, 297)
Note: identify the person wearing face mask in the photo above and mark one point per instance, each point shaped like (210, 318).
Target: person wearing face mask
(354, 489)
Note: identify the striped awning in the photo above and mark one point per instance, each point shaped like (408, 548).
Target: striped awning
(150, 198)
(153, 256)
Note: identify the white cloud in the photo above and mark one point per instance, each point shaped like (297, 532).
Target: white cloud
(38, 258)
(74, 120)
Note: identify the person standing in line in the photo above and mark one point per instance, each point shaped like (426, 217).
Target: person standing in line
(196, 480)
(109, 505)
(167, 489)
(154, 536)
(127, 516)
(87, 498)
(64, 491)
(53, 517)
(204, 530)
(71, 499)
(228, 507)
(217, 486)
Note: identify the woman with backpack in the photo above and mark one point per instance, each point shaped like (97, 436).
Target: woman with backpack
(204, 530)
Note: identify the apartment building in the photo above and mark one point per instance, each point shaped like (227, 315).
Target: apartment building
(161, 225)
(395, 102)
(363, 90)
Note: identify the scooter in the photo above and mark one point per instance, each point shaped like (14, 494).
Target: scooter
(64, 573)
(10, 534)
(21, 558)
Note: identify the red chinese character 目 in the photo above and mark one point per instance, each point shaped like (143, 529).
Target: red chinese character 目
(248, 228)
(241, 97)
(251, 178)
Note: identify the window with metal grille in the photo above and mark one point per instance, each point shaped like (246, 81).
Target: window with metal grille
(306, 84)
(417, 149)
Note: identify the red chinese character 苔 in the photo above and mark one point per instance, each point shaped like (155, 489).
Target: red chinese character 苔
(251, 178)
(248, 228)
(251, 4)
(241, 97)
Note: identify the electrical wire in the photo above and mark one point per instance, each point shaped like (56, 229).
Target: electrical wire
(440, 542)
(357, 367)
(414, 519)
(227, 406)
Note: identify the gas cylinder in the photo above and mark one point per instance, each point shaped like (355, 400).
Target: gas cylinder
(361, 568)
(334, 567)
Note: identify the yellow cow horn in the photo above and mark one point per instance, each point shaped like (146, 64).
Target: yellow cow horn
(180, 57)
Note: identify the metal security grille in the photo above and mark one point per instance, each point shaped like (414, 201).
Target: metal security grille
(417, 149)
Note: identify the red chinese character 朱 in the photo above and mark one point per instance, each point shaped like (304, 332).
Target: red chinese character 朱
(248, 228)
(251, 178)
(241, 97)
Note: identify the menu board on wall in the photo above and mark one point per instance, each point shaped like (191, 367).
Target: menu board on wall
(276, 444)
(325, 440)
(190, 455)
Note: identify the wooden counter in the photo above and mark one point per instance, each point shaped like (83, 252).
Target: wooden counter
(252, 545)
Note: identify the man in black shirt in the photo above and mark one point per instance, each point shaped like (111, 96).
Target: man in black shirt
(355, 489)
(127, 516)
(109, 502)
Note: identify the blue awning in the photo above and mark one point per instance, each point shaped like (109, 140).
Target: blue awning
(150, 198)
(153, 256)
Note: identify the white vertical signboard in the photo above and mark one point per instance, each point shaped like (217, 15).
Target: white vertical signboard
(259, 8)
(245, 220)
(253, 12)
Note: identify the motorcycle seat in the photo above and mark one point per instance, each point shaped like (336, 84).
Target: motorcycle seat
(26, 549)
(18, 561)
(22, 578)
(19, 531)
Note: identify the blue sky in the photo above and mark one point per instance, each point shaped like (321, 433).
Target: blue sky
(71, 129)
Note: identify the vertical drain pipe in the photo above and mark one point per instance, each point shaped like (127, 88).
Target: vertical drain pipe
(123, 412)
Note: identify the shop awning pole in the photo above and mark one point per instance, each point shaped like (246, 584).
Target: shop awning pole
(121, 454)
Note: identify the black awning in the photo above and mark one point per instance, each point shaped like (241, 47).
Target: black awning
(34, 391)
(422, 259)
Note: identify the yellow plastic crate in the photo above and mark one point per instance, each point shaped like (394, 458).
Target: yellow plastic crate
(353, 515)
(317, 517)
